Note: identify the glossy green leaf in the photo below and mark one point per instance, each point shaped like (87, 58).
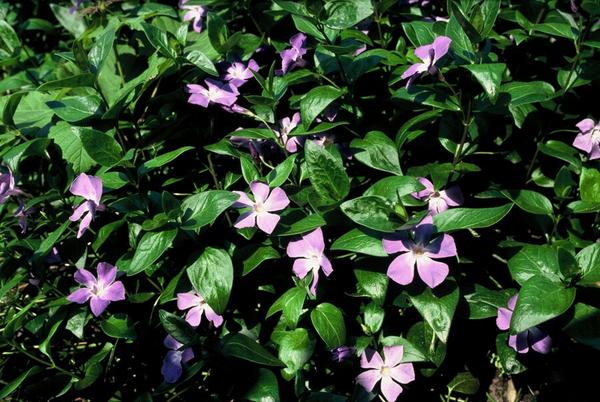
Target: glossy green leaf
(212, 275)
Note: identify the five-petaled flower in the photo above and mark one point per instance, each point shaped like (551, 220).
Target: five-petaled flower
(90, 188)
(534, 337)
(286, 125)
(439, 201)
(7, 186)
(99, 291)
(588, 139)
(420, 252)
(429, 54)
(196, 305)
(238, 73)
(292, 57)
(390, 371)
(171, 368)
(215, 92)
(309, 257)
(193, 13)
(264, 203)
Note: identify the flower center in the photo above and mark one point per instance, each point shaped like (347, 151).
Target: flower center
(258, 207)
(315, 260)
(98, 289)
(213, 93)
(596, 135)
(418, 250)
(385, 371)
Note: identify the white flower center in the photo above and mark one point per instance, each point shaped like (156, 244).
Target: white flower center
(596, 135)
(314, 260)
(237, 71)
(418, 250)
(258, 207)
(213, 93)
(98, 289)
(385, 371)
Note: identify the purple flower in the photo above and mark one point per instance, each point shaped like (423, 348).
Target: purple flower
(539, 341)
(309, 257)
(341, 353)
(292, 57)
(588, 138)
(390, 371)
(100, 292)
(22, 214)
(238, 73)
(286, 125)
(439, 201)
(7, 186)
(264, 203)
(420, 252)
(75, 6)
(171, 368)
(216, 92)
(196, 305)
(90, 188)
(429, 54)
(53, 257)
(193, 13)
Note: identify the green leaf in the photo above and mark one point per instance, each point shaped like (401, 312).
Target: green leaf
(539, 301)
(249, 170)
(419, 32)
(102, 148)
(212, 275)
(11, 107)
(280, 174)
(217, 31)
(378, 151)
(535, 261)
(489, 76)
(429, 96)
(329, 324)
(102, 48)
(72, 22)
(489, 12)
(523, 93)
(295, 227)
(76, 108)
(259, 255)
(561, 151)
(177, 327)
(371, 284)
(437, 307)
(589, 263)
(360, 241)
(264, 388)
(68, 139)
(9, 41)
(32, 147)
(315, 101)
(14, 384)
(470, 218)
(557, 29)
(295, 348)
(508, 356)
(373, 212)
(484, 303)
(464, 383)
(119, 326)
(589, 185)
(203, 208)
(584, 325)
(343, 14)
(200, 60)
(461, 44)
(393, 188)
(327, 173)
(529, 201)
(290, 303)
(152, 246)
(242, 347)
(74, 81)
(33, 112)
(159, 39)
(162, 160)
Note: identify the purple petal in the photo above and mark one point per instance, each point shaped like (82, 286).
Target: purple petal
(512, 302)
(326, 265)
(80, 296)
(417, 68)
(114, 292)
(314, 283)
(539, 340)
(197, 25)
(297, 248)
(277, 200)
(171, 368)
(583, 142)
(213, 317)
(243, 201)
(188, 300)
(396, 246)
(441, 44)
(194, 316)
(260, 191)
(106, 273)
(453, 196)
(519, 342)
(442, 247)
(187, 355)
(403, 373)
(79, 211)
(85, 277)
(503, 318)
(302, 267)
(199, 99)
(298, 42)
(431, 272)
(371, 359)
(424, 53)
(585, 125)
(246, 220)
(402, 269)
(425, 193)
(315, 240)
(390, 389)
(172, 343)
(424, 230)
(392, 355)
(595, 153)
(98, 305)
(88, 187)
(84, 224)
(437, 205)
(267, 221)
(368, 379)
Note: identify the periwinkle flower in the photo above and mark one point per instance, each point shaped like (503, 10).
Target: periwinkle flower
(265, 202)
(99, 291)
(196, 306)
(292, 57)
(308, 252)
(22, 214)
(215, 92)
(75, 6)
(420, 252)
(90, 188)
(390, 371)
(341, 353)
(171, 368)
(239, 73)
(588, 139)
(195, 13)
(439, 200)
(7, 186)
(534, 337)
(286, 125)
(430, 55)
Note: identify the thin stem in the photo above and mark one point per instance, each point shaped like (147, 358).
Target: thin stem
(463, 139)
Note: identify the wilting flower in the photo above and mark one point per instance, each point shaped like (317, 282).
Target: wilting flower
(171, 368)
(101, 291)
(238, 73)
(22, 214)
(264, 203)
(389, 370)
(75, 6)
(588, 139)
(534, 337)
(309, 257)
(292, 57)
(439, 201)
(216, 92)
(286, 125)
(7, 186)
(429, 54)
(341, 353)
(193, 13)
(196, 305)
(420, 252)
(90, 188)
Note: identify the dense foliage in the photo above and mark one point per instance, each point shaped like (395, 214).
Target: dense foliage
(317, 200)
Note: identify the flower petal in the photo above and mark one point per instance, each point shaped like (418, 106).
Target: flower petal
(260, 191)
(431, 272)
(503, 318)
(80, 296)
(315, 240)
(188, 300)
(171, 367)
(519, 342)
(84, 224)
(194, 316)
(213, 317)
(424, 53)
(371, 359)
(441, 44)
(98, 305)
(85, 277)
(390, 389)
(539, 340)
(585, 125)
(79, 211)
(425, 193)
(402, 269)
(187, 355)
(106, 273)
(453, 196)
(413, 70)
(297, 248)
(583, 142)
(326, 265)
(267, 221)
(172, 343)
(277, 200)
(392, 246)
(368, 379)
(243, 201)
(442, 247)
(392, 355)
(302, 267)
(246, 220)
(403, 373)
(88, 187)
(114, 292)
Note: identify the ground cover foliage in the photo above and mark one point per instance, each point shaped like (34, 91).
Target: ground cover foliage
(319, 200)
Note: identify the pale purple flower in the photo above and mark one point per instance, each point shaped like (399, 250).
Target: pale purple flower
(194, 13)
(588, 139)
(264, 203)
(196, 305)
(235, 108)
(341, 353)
(99, 291)
(75, 6)
(7, 186)
(292, 57)
(429, 54)
(420, 252)
(309, 257)
(90, 188)
(534, 337)
(22, 214)
(215, 92)
(390, 371)
(439, 201)
(238, 73)
(286, 125)
(171, 368)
